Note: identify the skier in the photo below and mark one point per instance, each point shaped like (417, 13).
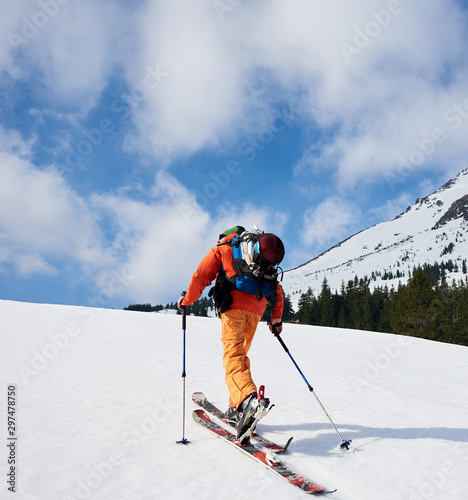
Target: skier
(240, 313)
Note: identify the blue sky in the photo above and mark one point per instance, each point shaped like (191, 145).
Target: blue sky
(133, 133)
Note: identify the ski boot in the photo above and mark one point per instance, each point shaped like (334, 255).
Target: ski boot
(231, 415)
(251, 410)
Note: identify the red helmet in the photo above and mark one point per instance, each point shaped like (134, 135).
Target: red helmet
(271, 248)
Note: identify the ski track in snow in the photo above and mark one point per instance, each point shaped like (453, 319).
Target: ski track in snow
(99, 409)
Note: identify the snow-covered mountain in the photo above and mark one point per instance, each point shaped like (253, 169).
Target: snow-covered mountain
(434, 229)
(98, 409)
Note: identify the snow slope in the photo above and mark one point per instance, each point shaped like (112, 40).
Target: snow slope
(99, 409)
(422, 234)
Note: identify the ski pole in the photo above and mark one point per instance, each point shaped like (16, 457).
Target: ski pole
(184, 327)
(344, 443)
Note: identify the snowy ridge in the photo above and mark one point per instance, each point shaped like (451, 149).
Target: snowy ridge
(434, 229)
(99, 409)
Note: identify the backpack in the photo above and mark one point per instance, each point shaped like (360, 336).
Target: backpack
(256, 257)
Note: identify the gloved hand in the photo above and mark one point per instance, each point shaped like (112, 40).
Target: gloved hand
(180, 304)
(276, 326)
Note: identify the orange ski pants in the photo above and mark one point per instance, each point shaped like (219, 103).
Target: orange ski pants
(238, 330)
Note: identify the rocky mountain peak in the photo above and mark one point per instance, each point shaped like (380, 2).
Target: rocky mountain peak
(458, 210)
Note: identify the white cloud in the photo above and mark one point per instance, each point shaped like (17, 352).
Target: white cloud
(329, 222)
(391, 208)
(202, 97)
(68, 48)
(9, 20)
(134, 249)
(159, 242)
(32, 264)
(42, 218)
(154, 244)
(222, 75)
(12, 142)
(393, 90)
(249, 216)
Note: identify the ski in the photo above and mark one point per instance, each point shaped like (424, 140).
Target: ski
(267, 459)
(201, 400)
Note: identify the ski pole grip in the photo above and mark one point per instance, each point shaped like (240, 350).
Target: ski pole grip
(184, 313)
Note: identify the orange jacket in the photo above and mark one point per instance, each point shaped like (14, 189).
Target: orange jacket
(209, 268)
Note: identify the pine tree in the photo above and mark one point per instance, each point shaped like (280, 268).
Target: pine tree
(324, 305)
(427, 306)
(305, 308)
(414, 312)
(288, 312)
